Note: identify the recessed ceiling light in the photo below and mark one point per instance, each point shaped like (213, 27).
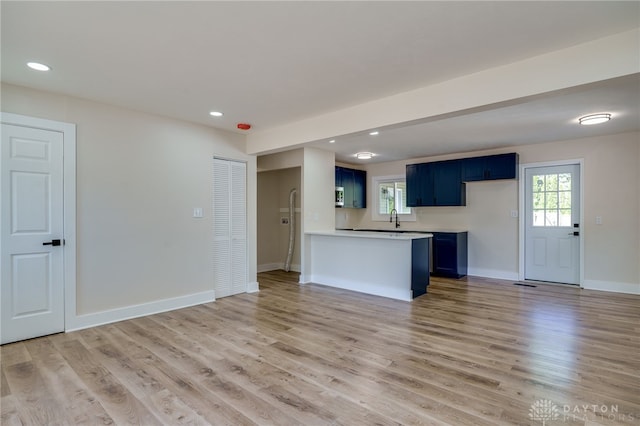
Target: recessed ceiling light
(332, 141)
(38, 66)
(365, 155)
(594, 119)
(216, 114)
(374, 133)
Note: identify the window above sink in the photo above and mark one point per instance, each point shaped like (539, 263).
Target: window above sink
(388, 193)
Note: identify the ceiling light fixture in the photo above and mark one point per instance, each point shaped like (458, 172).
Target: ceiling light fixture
(594, 119)
(38, 66)
(332, 141)
(216, 114)
(374, 133)
(365, 155)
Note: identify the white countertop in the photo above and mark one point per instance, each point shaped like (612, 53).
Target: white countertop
(372, 234)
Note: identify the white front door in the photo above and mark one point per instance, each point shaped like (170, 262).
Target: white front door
(552, 224)
(31, 210)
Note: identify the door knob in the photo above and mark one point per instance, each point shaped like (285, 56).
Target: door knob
(53, 243)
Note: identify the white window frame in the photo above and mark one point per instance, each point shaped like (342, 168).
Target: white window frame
(377, 217)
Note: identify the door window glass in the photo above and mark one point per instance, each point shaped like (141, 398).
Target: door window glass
(552, 199)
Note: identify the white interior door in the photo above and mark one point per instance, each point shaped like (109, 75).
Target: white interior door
(552, 224)
(32, 268)
(229, 227)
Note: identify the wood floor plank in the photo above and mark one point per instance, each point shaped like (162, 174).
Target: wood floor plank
(14, 353)
(11, 415)
(5, 390)
(119, 401)
(33, 399)
(472, 351)
(198, 367)
(208, 405)
(80, 405)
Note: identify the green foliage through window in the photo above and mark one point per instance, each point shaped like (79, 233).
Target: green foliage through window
(392, 195)
(552, 199)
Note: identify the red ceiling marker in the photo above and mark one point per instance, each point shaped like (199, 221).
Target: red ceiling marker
(244, 126)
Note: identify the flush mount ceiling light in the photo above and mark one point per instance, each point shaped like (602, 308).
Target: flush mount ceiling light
(38, 66)
(365, 155)
(332, 141)
(594, 119)
(374, 133)
(216, 114)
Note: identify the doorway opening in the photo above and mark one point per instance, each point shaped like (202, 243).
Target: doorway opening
(274, 219)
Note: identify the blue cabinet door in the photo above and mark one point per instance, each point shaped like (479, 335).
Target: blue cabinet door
(450, 254)
(492, 167)
(503, 166)
(473, 169)
(435, 184)
(359, 189)
(419, 179)
(448, 188)
(354, 183)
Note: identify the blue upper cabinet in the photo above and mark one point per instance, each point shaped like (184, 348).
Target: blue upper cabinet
(448, 188)
(435, 184)
(492, 167)
(419, 184)
(354, 183)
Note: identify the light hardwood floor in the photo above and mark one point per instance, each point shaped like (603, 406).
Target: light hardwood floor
(470, 352)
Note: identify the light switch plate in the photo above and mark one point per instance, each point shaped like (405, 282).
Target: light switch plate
(598, 220)
(197, 212)
(514, 213)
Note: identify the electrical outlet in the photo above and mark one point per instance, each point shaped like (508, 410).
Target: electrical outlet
(598, 220)
(284, 221)
(514, 213)
(197, 212)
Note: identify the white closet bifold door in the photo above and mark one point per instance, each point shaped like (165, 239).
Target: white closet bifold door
(229, 227)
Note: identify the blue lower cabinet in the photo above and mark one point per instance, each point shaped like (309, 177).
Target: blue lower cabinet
(419, 266)
(449, 254)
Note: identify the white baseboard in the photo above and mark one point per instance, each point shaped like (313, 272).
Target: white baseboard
(616, 287)
(266, 267)
(106, 317)
(493, 273)
(253, 287)
(304, 279)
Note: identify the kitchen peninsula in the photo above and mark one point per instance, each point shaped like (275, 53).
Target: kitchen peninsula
(394, 265)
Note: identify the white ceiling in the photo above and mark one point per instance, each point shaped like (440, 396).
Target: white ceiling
(273, 63)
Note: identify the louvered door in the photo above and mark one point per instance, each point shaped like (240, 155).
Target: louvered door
(229, 227)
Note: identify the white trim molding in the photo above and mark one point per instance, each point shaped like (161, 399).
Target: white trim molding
(135, 311)
(615, 287)
(493, 273)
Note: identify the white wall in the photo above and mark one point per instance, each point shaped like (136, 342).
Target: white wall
(139, 177)
(318, 181)
(612, 186)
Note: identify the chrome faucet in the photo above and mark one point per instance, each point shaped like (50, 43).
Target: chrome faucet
(391, 218)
